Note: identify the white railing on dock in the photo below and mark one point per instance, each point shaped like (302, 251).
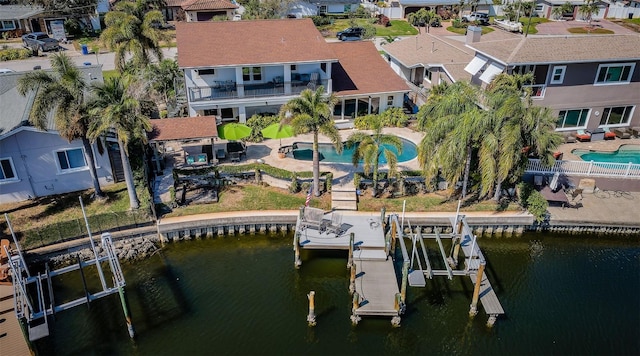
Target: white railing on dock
(587, 168)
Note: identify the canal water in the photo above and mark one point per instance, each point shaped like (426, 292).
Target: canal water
(241, 295)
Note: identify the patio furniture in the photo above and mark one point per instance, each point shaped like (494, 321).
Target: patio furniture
(569, 138)
(608, 135)
(221, 154)
(190, 160)
(312, 218)
(635, 131)
(597, 134)
(622, 133)
(234, 156)
(202, 158)
(235, 146)
(583, 136)
(335, 226)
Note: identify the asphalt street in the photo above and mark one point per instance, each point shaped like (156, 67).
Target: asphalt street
(105, 59)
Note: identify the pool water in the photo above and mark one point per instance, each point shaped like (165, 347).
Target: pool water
(624, 154)
(304, 152)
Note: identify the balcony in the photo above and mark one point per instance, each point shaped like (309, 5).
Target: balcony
(537, 90)
(229, 90)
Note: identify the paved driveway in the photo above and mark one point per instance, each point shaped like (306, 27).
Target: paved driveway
(562, 27)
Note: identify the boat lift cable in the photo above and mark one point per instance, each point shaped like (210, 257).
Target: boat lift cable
(93, 247)
(15, 240)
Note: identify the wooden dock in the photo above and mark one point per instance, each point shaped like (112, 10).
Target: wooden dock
(376, 284)
(12, 340)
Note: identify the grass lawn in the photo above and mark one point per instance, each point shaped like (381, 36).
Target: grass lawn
(532, 27)
(593, 31)
(462, 31)
(397, 28)
(54, 209)
(635, 21)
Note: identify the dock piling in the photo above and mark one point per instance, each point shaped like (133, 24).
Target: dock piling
(352, 237)
(125, 309)
(476, 291)
(405, 276)
(311, 317)
(352, 279)
(355, 305)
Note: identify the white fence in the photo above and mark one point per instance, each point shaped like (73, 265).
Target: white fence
(623, 12)
(584, 168)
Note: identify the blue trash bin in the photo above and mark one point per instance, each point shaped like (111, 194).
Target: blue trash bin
(85, 49)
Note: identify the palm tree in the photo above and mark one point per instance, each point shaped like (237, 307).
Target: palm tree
(587, 9)
(312, 112)
(452, 125)
(513, 129)
(62, 92)
(130, 31)
(370, 147)
(161, 78)
(119, 111)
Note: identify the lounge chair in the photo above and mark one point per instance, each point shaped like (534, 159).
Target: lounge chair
(635, 131)
(622, 132)
(190, 160)
(583, 136)
(608, 135)
(234, 156)
(335, 226)
(569, 138)
(312, 217)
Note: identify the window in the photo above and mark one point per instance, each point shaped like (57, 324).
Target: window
(251, 74)
(294, 67)
(557, 77)
(619, 115)
(390, 100)
(206, 71)
(6, 25)
(71, 160)
(428, 75)
(614, 73)
(7, 171)
(572, 119)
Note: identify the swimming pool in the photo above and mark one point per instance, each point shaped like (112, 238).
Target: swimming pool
(624, 154)
(304, 152)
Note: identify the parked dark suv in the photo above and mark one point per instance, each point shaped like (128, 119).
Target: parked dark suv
(350, 32)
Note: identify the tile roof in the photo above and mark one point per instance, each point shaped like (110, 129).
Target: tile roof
(187, 128)
(192, 5)
(432, 51)
(174, 3)
(232, 43)
(361, 70)
(562, 49)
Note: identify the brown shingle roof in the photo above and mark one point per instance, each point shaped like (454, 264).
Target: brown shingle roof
(562, 49)
(187, 128)
(429, 51)
(192, 5)
(231, 43)
(174, 3)
(361, 70)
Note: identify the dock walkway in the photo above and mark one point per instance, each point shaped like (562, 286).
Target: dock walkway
(12, 340)
(375, 284)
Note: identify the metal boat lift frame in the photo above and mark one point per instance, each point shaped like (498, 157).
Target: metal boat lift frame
(35, 310)
(462, 238)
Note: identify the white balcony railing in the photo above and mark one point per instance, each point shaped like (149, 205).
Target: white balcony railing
(587, 168)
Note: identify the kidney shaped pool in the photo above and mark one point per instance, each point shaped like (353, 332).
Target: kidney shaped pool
(624, 154)
(304, 151)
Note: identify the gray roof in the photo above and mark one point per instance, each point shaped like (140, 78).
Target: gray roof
(562, 49)
(433, 3)
(17, 12)
(426, 50)
(15, 108)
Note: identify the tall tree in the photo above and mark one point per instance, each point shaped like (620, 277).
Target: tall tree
(63, 92)
(312, 112)
(370, 147)
(161, 78)
(589, 8)
(117, 106)
(451, 122)
(130, 31)
(513, 129)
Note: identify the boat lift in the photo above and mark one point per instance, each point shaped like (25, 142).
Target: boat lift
(29, 290)
(462, 238)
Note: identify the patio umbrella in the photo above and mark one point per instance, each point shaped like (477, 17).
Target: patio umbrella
(233, 131)
(275, 131)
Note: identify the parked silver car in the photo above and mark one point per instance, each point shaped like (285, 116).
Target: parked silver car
(40, 41)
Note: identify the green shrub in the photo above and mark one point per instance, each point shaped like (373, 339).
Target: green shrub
(11, 54)
(259, 122)
(328, 180)
(362, 122)
(537, 205)
(457, 23)
(356, 180)
(321, 20)
(394, 117)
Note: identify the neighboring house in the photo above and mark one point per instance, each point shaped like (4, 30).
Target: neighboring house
(21, 19)
(198, 10)
(409, 6)
(270, 62)
(544, 8)
(590, 81)
(36, 163)
(427, 60)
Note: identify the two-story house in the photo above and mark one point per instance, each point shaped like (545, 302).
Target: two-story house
(590, 81)
(236, 69)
